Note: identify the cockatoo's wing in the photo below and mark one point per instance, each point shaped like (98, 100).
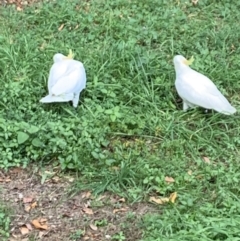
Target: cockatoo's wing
(57, 70)
(72, 81)
(199, 90)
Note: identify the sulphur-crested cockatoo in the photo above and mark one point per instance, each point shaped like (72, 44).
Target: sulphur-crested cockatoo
(196, 89)
(67, 78)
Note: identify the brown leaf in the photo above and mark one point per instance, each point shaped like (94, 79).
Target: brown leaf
(7, 179)
(169, 179)
(27, 199)
(29, 226)
(206, 159)
(86, 238)
(16, 170)
(27, 208)
(88, 211)
(159, 200)
(93, 227)
(61, 27)
(56, 179)
(33, 205)
(24, 230)
(86, 195)
(173, 197)
(120, 210)
(37, 225)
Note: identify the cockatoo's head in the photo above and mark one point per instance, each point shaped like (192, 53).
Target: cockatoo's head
(179, 61)
(59, 57)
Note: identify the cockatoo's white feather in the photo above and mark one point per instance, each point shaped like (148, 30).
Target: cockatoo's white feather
(197, 90)
(67, 78)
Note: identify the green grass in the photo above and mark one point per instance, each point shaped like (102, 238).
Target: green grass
(4, 221)
(129, 130)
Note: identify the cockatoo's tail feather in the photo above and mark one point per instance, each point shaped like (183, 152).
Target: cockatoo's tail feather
(52, 98)
(229, 110)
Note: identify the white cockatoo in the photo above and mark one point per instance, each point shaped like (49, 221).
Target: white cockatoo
(67, 78)
(196, 89)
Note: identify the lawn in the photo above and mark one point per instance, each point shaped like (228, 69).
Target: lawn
(128, 136)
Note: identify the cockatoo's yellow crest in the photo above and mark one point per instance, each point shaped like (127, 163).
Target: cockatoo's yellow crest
(70, 54)
(190, 61)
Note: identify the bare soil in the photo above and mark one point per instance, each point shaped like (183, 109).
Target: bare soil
(42, 209)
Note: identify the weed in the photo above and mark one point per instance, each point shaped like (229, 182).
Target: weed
(4, 222)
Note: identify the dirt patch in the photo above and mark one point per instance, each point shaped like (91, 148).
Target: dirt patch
(20, 4)
(43, 210)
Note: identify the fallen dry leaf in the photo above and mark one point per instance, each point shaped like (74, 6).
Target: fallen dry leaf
(189, 172)
(86, 194)
(93, 227)
(24, 230)
(206, 159)
(37, 225)
(27, 199)
(86, 238)
(195, 2)
(16, 170)
(122, 200)
(19, 9)
(120, 210)
(33, 205)
(159, 200)
(27, 208)
(7, 179)
(88, 211)
(70, 179)
(173, 197)
(169, 179)
(29, 226)
(61, 27)
(56, 179)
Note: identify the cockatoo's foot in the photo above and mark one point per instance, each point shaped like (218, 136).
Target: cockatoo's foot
(185, 106)
(75, 100)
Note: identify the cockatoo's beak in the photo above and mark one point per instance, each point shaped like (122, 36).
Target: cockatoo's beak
(188, 62)
(70, 55)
